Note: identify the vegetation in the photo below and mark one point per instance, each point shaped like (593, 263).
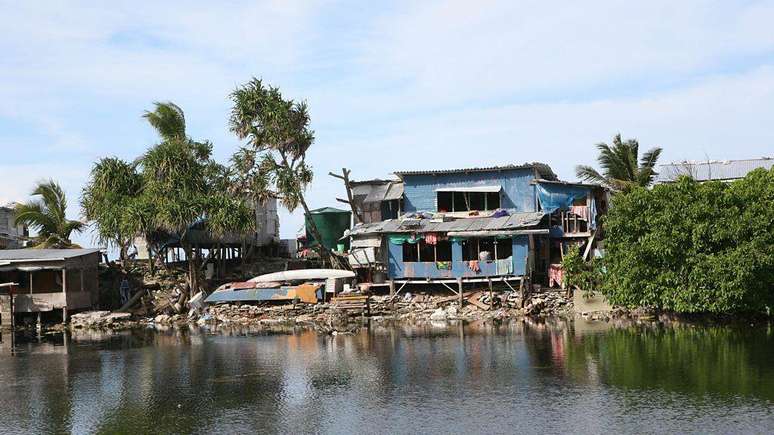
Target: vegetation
(47, 216)
(174, 188)
(693, 247)
(113, 190)
(620, 170)
(580, 274)
(273, 164)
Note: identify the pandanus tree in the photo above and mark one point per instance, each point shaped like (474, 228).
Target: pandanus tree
(47, 216)
(278, 136)
(111, 194)
(184, 188)
(621, 170)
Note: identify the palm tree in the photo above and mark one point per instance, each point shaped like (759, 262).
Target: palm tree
(620, 170)
(47, 217)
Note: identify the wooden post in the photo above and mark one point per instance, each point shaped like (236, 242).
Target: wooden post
(392, 293)
(491, 293)
(459, 288)
(64, 291)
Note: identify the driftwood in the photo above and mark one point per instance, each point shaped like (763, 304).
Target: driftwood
(133, 300)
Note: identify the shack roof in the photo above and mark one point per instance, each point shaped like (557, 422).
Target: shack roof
(712, 169)
(377, 190)
(543, 170)
(512, 222)
(43, 254)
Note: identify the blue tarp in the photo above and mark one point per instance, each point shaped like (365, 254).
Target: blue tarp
(561, 196)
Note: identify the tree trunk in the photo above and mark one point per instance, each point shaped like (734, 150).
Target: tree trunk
(324, 254)
(193, 281)
(151, 264)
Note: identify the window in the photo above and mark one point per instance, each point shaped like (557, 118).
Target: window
(504, 248)
(413, 252)
(498, 248)
(410, 252)
(460, 202)
(486, 245)
(443, 251)
(469, 249)
(467, 201)
(492, 200)
(445, 202)
(426, 252)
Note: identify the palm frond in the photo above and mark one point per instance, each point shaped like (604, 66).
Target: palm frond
(587, 173)
(167, 119)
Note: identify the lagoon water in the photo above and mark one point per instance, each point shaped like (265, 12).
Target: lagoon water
(568, 377)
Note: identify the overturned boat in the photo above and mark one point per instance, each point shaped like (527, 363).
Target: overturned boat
(270, 287)
(304, 275)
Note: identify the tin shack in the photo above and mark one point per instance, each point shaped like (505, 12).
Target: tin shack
(49, 280)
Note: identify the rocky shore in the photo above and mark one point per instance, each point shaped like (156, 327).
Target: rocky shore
(327, 318)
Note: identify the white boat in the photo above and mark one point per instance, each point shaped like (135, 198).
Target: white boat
(303, 275)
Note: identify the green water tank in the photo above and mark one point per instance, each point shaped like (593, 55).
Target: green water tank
(331, 222)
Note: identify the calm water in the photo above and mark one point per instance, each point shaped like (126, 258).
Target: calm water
(512, 378)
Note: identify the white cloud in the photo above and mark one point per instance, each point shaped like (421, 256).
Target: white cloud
(418, 85)
(458, 51)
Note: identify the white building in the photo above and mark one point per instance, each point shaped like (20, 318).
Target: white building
(11, 236)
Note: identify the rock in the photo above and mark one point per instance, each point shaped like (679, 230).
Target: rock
(439, 314)
(161, 318)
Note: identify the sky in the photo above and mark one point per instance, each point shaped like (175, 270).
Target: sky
(390, 86)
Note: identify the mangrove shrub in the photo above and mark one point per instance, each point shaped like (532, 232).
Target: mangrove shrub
(693, 247)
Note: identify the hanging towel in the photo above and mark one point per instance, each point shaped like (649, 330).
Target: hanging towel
(443, 265)
(555, 275)
(580, 210)
(473, 265)
(505, 266)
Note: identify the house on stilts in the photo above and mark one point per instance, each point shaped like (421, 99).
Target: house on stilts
(501, 224)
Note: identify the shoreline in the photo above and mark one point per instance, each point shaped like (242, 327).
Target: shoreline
(325, 318)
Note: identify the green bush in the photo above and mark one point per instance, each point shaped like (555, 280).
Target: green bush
(581, 274)
(693, 247)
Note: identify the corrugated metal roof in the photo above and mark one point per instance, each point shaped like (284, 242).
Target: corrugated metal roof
(514, 221)
(712, 169)
(395, 191)
(543, 169)
(43, 254)
(377, 193)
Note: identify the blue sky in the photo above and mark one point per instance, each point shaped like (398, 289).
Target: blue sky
(392, 86)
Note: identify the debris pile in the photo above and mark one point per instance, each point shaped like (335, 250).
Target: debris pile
(101, 319)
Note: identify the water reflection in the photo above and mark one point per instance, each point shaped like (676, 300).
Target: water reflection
(515, 376)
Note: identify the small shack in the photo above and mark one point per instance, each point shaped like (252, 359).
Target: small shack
(49, 280)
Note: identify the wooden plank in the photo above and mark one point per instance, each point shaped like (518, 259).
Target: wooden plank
(473, 299)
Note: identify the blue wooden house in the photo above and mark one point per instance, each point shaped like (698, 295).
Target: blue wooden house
(478, 224)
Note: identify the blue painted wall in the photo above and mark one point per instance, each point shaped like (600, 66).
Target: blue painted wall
(420, 190)
(396, 268)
